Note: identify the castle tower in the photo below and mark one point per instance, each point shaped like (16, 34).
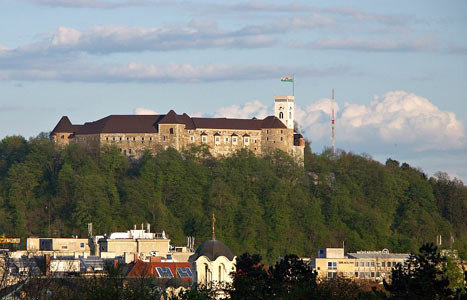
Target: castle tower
(284, 109)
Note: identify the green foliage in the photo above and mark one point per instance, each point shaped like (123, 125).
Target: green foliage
(269, 205)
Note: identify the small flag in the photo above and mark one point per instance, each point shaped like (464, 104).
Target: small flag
(287, 78)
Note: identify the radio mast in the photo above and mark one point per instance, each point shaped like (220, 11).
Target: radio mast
(332, 125)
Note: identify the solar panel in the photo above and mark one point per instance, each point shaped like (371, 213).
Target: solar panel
(184, 272)
(164, 272)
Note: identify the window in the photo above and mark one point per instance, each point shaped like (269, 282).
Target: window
(267, 138)
(356, 274)
(383, 264)
(377, 274)
(120, 139)
(113, 139)
(255, 141)
(356, 264)
(204, 139)
(106, 138)
(372, 263)
(282, 139)
(165, 138)
(192, 139)
(332, 265)
(134, 138)
(129, 151)
(226, 139)
(282, 131)
(246, 140)
(281, 115)
(62, 137)
(171, 130)
(127, 138)
(332, 274)
(367, 263)
(150, 138)
(234, 140)
(290, 114)
(217, 140)
(81, 245)
(372, 274)
(267, 131)
(124, 152)
(142, 140)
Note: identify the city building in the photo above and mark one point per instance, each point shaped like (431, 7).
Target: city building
(135, 134)
(157, 268)
(213, 262)
(362, 265)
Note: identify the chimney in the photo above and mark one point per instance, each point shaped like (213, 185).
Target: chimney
(47, 264)
(148, 228)
(155, 259)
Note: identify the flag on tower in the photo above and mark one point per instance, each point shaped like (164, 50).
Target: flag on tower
(287, 78)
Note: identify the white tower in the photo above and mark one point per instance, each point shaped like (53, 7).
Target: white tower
(284, 109)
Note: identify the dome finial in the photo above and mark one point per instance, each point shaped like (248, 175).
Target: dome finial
(213, 229)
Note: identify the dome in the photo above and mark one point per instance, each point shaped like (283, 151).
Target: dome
(212, 249)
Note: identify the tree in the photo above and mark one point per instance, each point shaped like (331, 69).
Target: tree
(422, 278)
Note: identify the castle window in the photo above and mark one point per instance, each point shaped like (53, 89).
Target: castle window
(165, 138)
(282, 139)
(107, 138)
(246, 140)
(120, 139)
(234, 140)
(255, 141)
(204, 139)
(113, 139)
(127, 138)
(192, 139)
(171, 130)
(226, 139)
(267, 139)
(142, 140)
(267, 131)
(282, 131)
(150, 138)
(134, 138)
(129, 151)
(217, 140)
(281, 115)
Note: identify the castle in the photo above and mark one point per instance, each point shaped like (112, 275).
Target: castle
(135, 134)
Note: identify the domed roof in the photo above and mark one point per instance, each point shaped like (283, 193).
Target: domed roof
(212, 249)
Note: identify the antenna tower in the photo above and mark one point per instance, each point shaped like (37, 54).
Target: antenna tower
(332, 125)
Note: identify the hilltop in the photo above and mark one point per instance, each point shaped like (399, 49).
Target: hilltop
(267, 205)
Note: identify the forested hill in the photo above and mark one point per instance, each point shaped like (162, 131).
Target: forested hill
(263, 205)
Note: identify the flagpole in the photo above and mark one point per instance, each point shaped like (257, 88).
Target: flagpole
(293, 85)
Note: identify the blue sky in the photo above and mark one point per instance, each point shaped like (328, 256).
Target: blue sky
(398, 68)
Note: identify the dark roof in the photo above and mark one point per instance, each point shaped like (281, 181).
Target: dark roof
(212, 249)
(64, 125)
(148, 123)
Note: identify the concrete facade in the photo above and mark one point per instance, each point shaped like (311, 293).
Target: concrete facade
(362, 265)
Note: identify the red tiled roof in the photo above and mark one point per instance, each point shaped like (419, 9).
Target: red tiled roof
(147, 269)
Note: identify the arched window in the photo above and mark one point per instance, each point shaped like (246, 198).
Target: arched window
(220, 274)
(281, 115)
(206, 273)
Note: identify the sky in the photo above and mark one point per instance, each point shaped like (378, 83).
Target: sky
(398, 68)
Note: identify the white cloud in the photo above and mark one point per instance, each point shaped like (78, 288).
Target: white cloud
(144, 111)
(246, 111)
(397, 118)
(97, 3)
